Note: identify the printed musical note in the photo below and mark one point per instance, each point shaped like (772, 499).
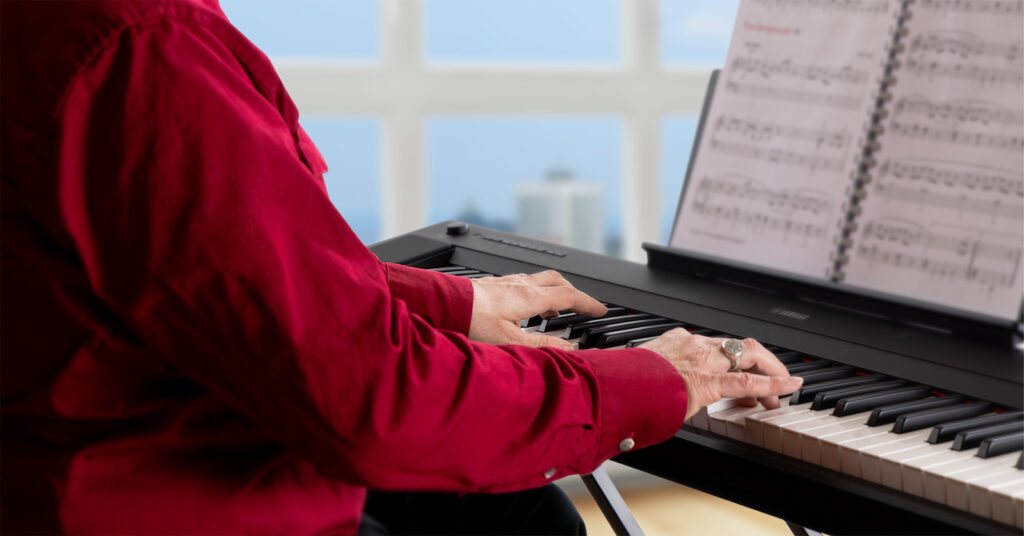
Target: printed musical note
(956, 112)
(963, 45)
(813, 98)
(768, 131)
(820, 74)
(981, 75)
(1001, 182)
(954, 136)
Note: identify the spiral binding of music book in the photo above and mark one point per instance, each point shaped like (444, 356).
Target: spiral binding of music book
(872, 143)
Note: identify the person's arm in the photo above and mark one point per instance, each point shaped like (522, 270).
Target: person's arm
(205, 233)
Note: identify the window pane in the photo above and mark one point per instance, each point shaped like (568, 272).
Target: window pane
(558, 179)
(351, 147)
(696, 32)
(337, 29)
(523, 31)
(677, 136)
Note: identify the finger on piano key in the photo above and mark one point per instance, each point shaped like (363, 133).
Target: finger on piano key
(994, 446)
(1002, 501)
(575, 330)
(948, 431)
(806, 393)
(968, 439)
(888, 414)
(917, 420)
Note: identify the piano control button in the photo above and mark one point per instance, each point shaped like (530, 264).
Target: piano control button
(829, 399)
(627, 444)
(856, 404)
(968, 439)
(888, 414)
(575, 330)
(930, 417)
(806, 392)
(1003, 444)
(456, 228)
(948, 431)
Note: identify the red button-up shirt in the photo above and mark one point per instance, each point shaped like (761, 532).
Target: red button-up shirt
(194, 341)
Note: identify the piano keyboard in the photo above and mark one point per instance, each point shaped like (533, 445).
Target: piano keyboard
(963, 452)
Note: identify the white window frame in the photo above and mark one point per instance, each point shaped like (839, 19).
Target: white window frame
(403, 90)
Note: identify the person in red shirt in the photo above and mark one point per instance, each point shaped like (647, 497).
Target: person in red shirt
(194, 341)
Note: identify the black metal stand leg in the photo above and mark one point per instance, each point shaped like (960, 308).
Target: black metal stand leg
(611, 504)
(797, 530)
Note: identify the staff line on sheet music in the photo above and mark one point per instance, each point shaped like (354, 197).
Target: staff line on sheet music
(964, 45)
(941, 268)
(964, 111)
(941, 173)
(809, 72)
(814, 98)
(858, 6)
(915, 235)
(989, 7)
(766, 131)
(955, 136)
(778, 156)
(978, 74)
(738, 188)
(759, 221)
(957, 203)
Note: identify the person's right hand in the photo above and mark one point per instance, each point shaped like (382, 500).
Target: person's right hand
(705, 367)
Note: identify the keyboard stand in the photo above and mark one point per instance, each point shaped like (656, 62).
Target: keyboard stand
(600, 486)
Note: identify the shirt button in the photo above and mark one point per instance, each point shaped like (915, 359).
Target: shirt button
(550, 473)
(627, 444)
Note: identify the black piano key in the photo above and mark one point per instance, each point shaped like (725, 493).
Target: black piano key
(917, 420)
(808, 365)
(807, 392)
(637, 342)
(888, 414)
(536, 320)
(948, 431)
(619, 338)
(575, 330)
(478, 276)
(705, 332)
(829, 399)
(994, 446)
(856, 404)
(446, 269)
(560, 322)
(968, 439)
(464, 271)
(788, 358)
(812, 377)
(1020, 462)
(588, 339)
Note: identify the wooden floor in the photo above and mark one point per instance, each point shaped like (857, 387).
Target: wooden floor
(666, 509)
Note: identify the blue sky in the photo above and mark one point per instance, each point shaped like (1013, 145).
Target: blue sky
(505, 150)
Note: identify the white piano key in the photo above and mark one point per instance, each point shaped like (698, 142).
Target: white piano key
(871, 456)
(831, 445)
(1018, 509)
(913, 470)
(753, 431)
(772, 428)
(849, 451)
(1003, 498)
(958, 484)
(811, 443)
(893, 464)
(937, 474)
(717, 422)
(794, 433)
(981, 491)
(699, 419)
(737, 422)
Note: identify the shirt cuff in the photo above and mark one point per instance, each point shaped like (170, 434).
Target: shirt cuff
(445, 301)
(642, 399)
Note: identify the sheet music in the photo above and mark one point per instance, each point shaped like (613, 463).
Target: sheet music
(943, 218)
(782, 139)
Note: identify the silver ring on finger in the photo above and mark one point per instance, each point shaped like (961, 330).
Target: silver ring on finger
(733, 349)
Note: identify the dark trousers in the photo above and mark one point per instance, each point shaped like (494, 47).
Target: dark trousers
(545, 510)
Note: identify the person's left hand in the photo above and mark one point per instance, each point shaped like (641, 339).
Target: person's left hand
(499, 303)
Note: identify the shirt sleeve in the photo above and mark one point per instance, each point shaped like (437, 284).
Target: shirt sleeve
(210, 239)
